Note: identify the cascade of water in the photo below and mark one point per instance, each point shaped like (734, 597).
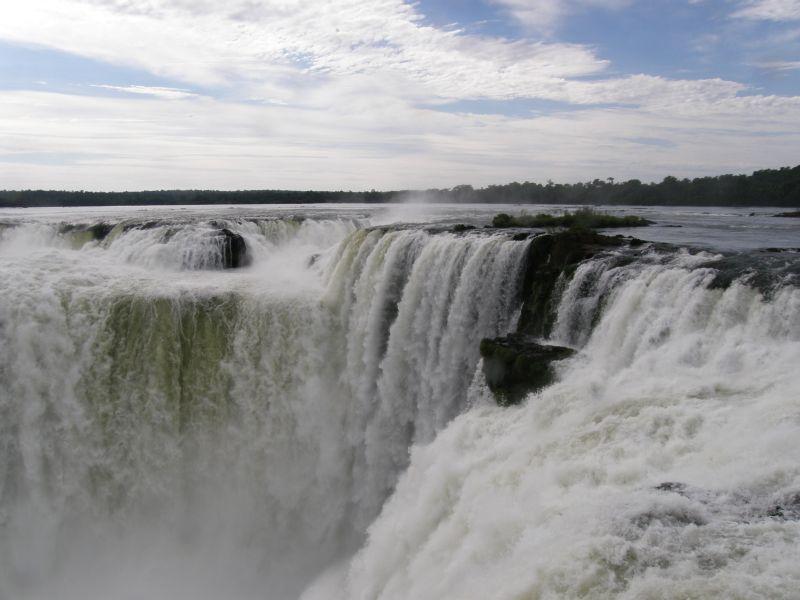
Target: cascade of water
(664, 464)
(231, 433)
(158, 417)
(414, 308)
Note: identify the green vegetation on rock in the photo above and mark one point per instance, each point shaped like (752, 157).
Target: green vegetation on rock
(584, 218)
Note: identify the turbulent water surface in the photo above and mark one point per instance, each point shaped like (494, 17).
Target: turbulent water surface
(314, 423)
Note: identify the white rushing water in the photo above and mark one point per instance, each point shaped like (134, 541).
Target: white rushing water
(315, 424)
(560, 498)
(169, 431)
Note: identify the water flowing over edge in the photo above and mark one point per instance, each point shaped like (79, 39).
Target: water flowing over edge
(174, 413)
(165, 411)
(664, 463)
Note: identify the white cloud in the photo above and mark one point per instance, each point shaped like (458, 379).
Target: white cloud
(158, 92)
(214, 43)
(770, 10)
(327, 94)
(289, 50)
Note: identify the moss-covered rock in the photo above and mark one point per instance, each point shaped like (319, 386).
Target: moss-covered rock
(80, 234)
(549, 257)
(517, 365)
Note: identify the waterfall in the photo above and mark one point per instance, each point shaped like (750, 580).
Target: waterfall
(663, 464)
(312, 422)
(228, 433)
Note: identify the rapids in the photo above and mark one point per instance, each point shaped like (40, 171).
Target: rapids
(316, 425)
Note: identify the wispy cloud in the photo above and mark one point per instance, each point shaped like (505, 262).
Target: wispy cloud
(217, 43)
(778, 65)
(289, 51)
(546, 14)
(158, 92)
(769, 10)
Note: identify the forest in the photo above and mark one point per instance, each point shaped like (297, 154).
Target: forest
(768, 187)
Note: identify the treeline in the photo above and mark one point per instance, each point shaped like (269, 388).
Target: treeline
(24, 198)
(770, 187)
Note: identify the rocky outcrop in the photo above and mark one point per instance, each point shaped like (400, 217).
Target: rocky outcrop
(143, 225)
(584, 218)
(234, 250)
(516, 365)
(766, 270)
(549, 256)
(230, 248)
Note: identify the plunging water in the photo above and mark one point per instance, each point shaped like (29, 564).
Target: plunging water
(171, 429)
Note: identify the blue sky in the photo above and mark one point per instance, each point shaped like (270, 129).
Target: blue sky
(360, 94)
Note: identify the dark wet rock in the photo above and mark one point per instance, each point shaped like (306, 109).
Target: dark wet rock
(517, 365)
(100, 230)
(549, 256)
(778, 250)
(95, 231)
(234, 250)
(142, 225)
(150, 224)
(787, 508)
(168, 234)
(765, 271)
(312, 260)
(725, 274)
(671, 486)
(437, 228)
(793, 214)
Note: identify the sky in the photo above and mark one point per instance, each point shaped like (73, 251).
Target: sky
(392, 94)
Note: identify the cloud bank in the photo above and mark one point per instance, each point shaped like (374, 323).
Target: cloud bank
(358, 94)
